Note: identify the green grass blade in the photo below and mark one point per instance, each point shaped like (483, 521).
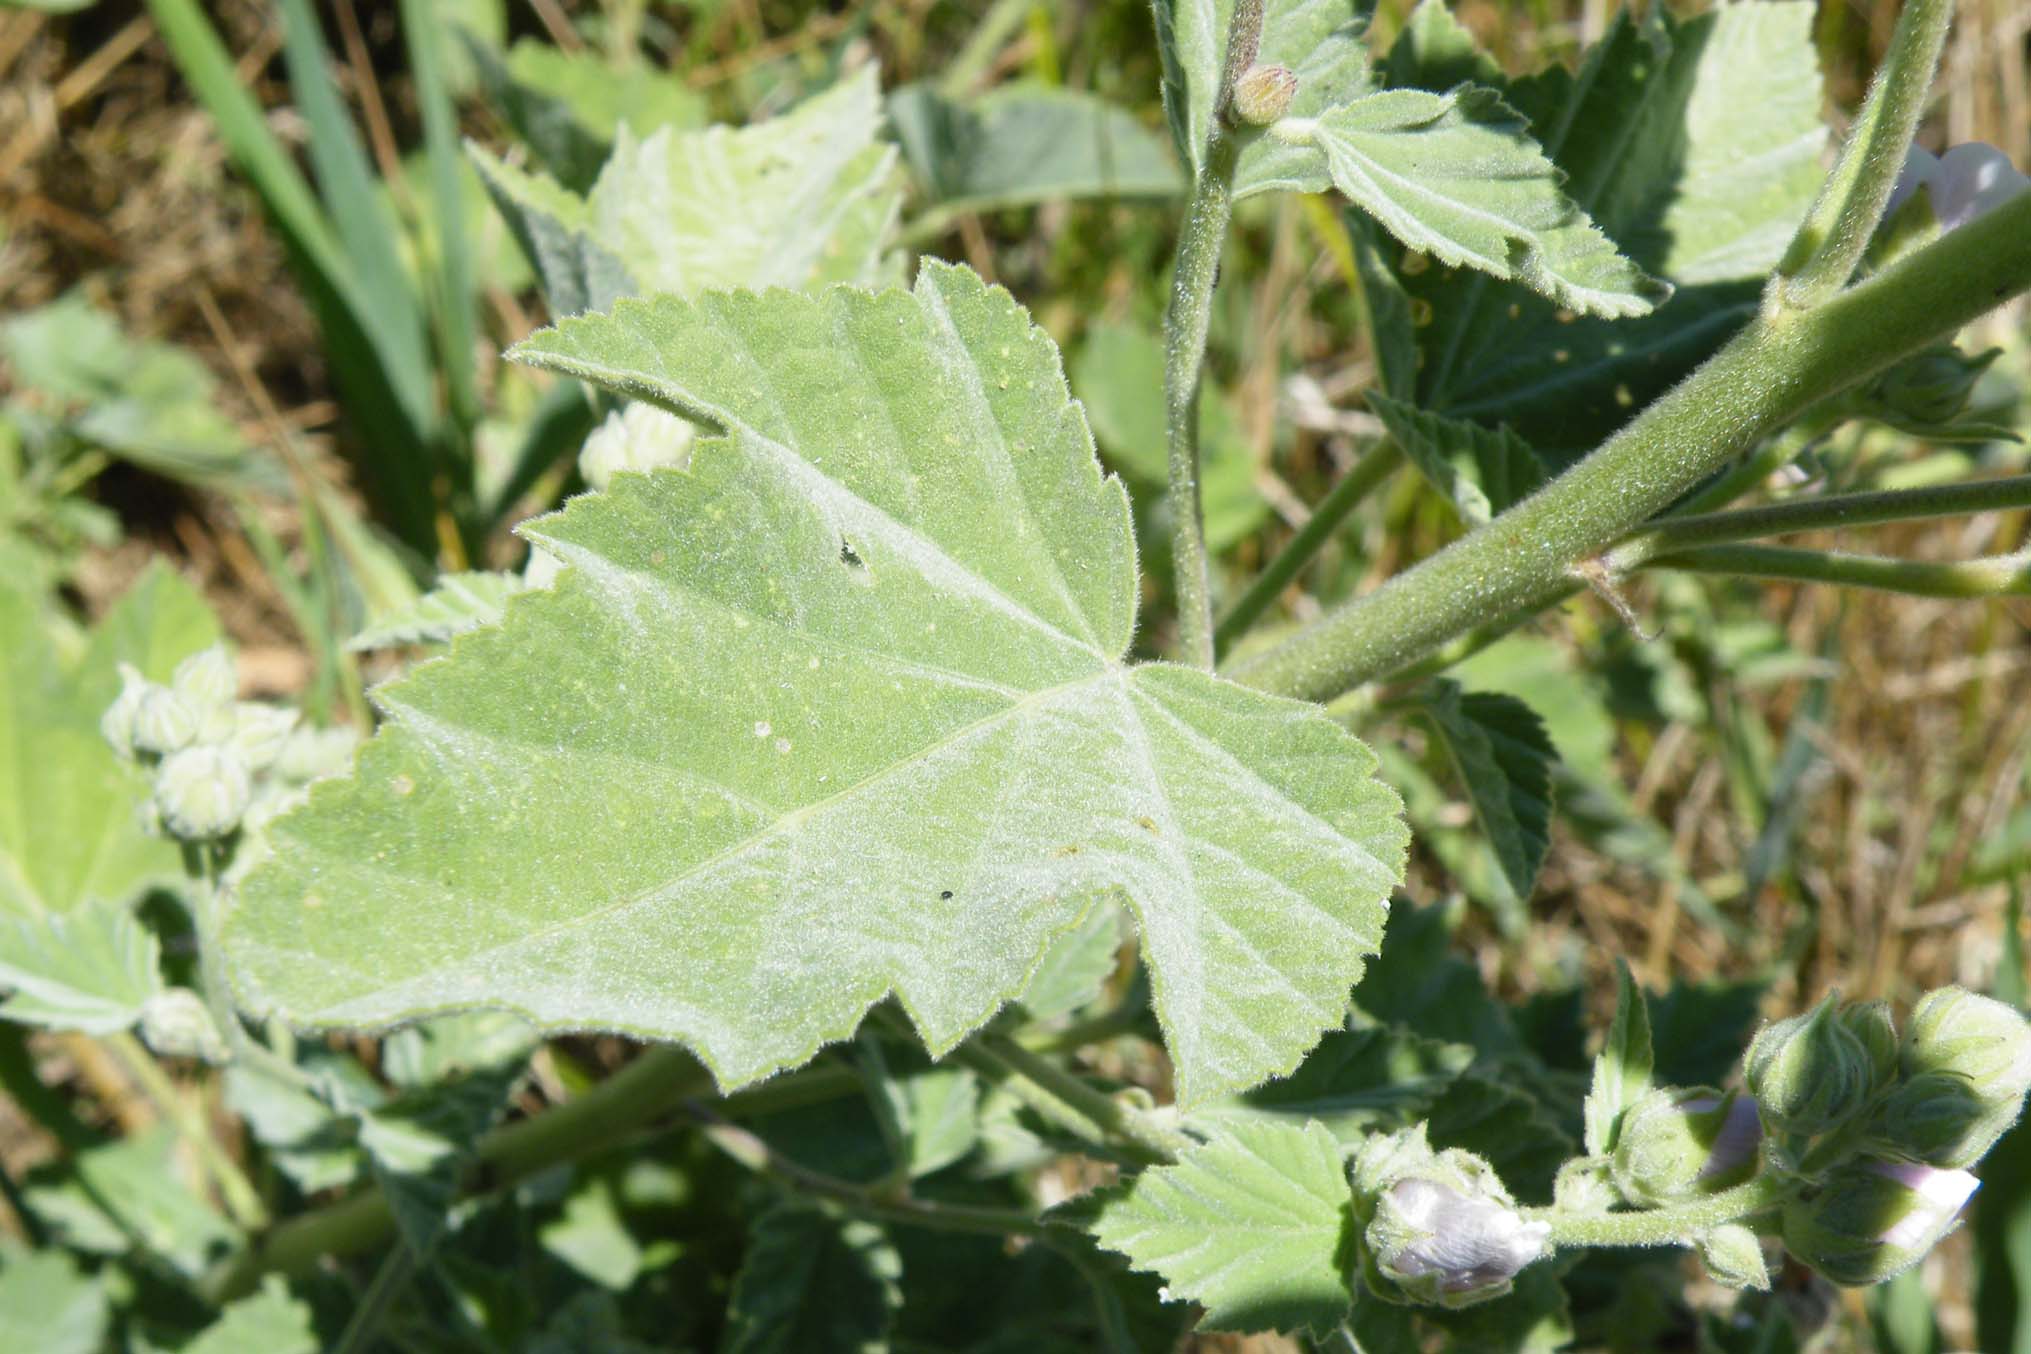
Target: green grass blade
(451, 290)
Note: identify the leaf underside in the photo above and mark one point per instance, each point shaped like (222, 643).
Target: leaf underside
(837, 712)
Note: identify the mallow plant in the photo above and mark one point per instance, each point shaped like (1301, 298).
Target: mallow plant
(1002, 965)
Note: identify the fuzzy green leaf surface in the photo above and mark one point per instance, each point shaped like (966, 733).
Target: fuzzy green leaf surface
(1319, 41)
(458, 602)
(801, 200)
(1251, 1225)
(1457, 176)
(48, 1304)
(91, 970)
(1622, 1069)
(1695, 144)
(1480, 471)
(271, 1321)
(839, 711)
(1505, 759)
(813, 1282)
(70, 831)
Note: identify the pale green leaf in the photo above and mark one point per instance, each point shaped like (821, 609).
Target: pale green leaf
(90, 970)
(48, 1305)
(71, 834)
(838, 712)
(603, 95)
(270, 1321)
(1118, 376)
(942, 1108)
(1319, 41)
(1023, 144)
(309, 1143)
(1249, 1225)
(132, 1194)
(1695, 144)
(1622, 1069)
(1457, 176)
(801, 200)
(1356, 1082)
(592, 1237)
(1505, 758)
(1433, 50)
(1074, 967)
(1480, 471)
(458, 602)
(813, 1283)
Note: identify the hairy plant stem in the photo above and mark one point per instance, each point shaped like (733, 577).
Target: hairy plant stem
(1778, 367)
(1996, 576)
(1375, 466)
(236, 1191)
(1674, 1225)
(866, 1201)
(1813, 514)
(1186, 322)
(1071, 1104)
(1831, 240)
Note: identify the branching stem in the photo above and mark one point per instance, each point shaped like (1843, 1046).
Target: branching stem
(1675, 1225)
(1997, 576)
(1071, 1104)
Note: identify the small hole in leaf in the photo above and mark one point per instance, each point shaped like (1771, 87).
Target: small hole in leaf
(944, 894)
(849, 557)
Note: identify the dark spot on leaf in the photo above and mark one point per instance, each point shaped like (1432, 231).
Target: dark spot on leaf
(944, 893)
(1146, 824)
(847, 556)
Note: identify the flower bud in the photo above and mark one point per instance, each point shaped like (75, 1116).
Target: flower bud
(116, 726)
(1675, 1143)
(638, 438)
(206, 683)
(162, 722)
(1873, 1028)
(1733, 1255)
(202, 792)
(260, 732)
(1440, 1228)
(1808, 1073)
(1940, 1119)
(1932, 385)
(1982, 1039)
(1263, 94)
(1874, 1219)
(310, 754)
(1966, 181)
(176, 1024)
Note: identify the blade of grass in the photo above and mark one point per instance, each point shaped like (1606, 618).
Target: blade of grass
(452, 287)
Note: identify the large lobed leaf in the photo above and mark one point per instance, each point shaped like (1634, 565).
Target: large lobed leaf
(839, 711)
(801, 200)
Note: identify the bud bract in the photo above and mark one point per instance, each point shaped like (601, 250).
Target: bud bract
(1873, 1220)
(260, 732)
(638, 438)
(310, 754)
(1733, 1255)
(206, 683)
(176, 1024)
(1263, 94)
(1980, 1038)
(1808, 1073)
(1676, 1142)
(1939, 1118)
(202, 792)
(1439, 1226)
(162, 722)
(116, 726)
(1873, 1028)
(1932, 385)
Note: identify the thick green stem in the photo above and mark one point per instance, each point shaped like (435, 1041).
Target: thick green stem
(1675, 1225)
(1830, 241)
(1380, 461)
(1813, 514)
(751, 1152)
(1185, 326)
(1769, 374)
(1997, 576)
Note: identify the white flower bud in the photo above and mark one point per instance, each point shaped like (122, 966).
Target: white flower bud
(162, 722)
(1963, 183)
(1439, 1226)
(260, 733)
(1977, 1037)
(202, 792)
(1733, 1255)
(207, 684)
(1875, 1219)
(1676, 1143)
(638, 438)
(176, 1024)
(311, 754)
(116, 726)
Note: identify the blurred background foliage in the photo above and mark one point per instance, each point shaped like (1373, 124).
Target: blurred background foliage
(254, 295)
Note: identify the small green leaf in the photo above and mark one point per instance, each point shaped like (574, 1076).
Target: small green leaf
(305, 1140)
(1457, 176)
(918, 590)
(48, 1305)
(421, 1142)
(1252, 1225)
(1075, 967)
(553, 227)
(1022, 144)
(131, 1195)
(1356, 1082)
(270, 1321)
(91, 970)
(1622, 1069)
(942, 1107)
(1480, 471)
(1505, 759)
(458, 602)
(813, 1283)
(592, 1237)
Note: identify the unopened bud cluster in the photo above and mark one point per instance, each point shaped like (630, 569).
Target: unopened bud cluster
(215, 760)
